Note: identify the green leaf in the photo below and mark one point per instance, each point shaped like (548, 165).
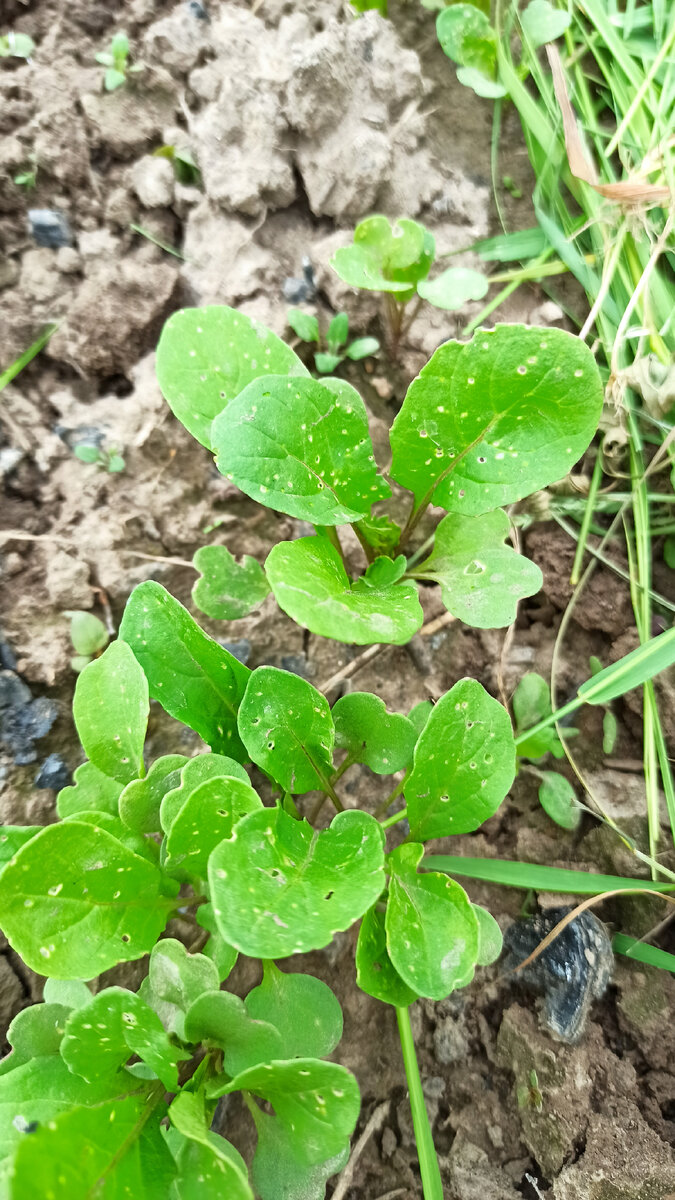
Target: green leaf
(610, 732)
(113, 79)
(385, 258)
(464, 764)
(310, 583)
(227, 589)
(16, 45)
(278, 1171)
(74, 902)
(110, 709)
(316, 1103)
(467, 37)
(490, 940)
(304, 324)
(338, 331)
(383, 572)
(35, 1032)
(87, 633)
(208, 815)
(419, 715)
(116, 1025)
(382, 740)
(512, 247)
(207, 1164)
(139, 802)
(531, 700)
(110, 1151)
(220, 1019)
(432, 930)
(489, 422)
(375, 972)
(195, 680)
(542, 22)
(90, 790)
(303, 1009)
(536, 877)
(287, 729)
(629, 672)
(362, 348)
(381, 533)
(222, 955)
(175, 980)
(669, 552)
(306, 885)
(111, 824)
(558, 800)
(71, 993)
(195, 772)
(482, 85)
(12, 838)
(652, 956)
(481, 578)
(302, 448)
(115, 462)
(207, 356)
(88, 454)
(326, 363)
(454, 288)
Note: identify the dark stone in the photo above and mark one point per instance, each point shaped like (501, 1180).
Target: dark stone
(240, 650)
(197, 10)
(53, 774)
(570, 973)
(7, 658)
(49, 228)
(24, 724)
(298, 291)
(297, 664)
(14, 693)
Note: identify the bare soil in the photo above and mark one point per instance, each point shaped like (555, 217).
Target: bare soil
(303, 120)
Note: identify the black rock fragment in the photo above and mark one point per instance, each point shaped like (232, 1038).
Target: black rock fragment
(53, 773)
(49, 228)
(299, 291)
(23, 720)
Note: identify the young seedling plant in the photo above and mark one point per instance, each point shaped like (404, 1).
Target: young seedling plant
(483, 425)
(116, 62)
(338, 346)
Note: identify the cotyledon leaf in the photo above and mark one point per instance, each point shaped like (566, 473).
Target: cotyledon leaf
(110, 710)
(491, 421)
(302, 448)
(221, 1019)
(432, 929)
(303, 1009)
(174, 981)
(305, 885)
(310, 583)
(208, 815)
(194, 678)
(464, 763)
(227, 589)
(481, 578)
(195, 772)
(286, 726)
(74, 901)
(370, 734)
(206, 356)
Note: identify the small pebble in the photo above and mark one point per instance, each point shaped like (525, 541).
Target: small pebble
(197, 10)
(298, 291)
(53, 773)
(49, 228)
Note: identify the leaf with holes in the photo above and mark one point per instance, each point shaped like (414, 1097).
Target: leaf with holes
(206, 356)
(305, 885)
(139, 802)
(310, 583)
(195, 772)
(195, 680)
(208, 815)
(489, 422)
(316, 1103)
(174, 981)
(432, 930)
(220, 1019)
(116, 1025)
(301, 447)
(287, 729)
(375, 972)
(110, 709)
(115, 1149)
(90, 790)
(382, 740)
(74, 902)
(481, 578)
(386, 258)
(464, 764)
(278, 1169)
(303, 1009)
(12, 838)
(227, 589)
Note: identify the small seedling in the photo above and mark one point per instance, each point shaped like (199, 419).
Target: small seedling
(532, 704)
(28, 177)
(16, 45)
(469, 39)
(337, 348)
(97, 456)
(184, 165)
(89, 637)
(116, 62)
(529, 1094)
(396, 260)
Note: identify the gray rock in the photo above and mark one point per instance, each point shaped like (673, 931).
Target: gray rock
(24, 724)
(240, 650)
(50, 228)
(53, 773)
(14, 693)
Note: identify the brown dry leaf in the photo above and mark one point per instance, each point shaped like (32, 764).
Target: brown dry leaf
(628, 191)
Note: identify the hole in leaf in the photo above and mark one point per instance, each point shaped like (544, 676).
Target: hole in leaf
(328, 896)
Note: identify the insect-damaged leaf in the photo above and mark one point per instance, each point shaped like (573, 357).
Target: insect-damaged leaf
(113, 1027)
(432, 930)
(481, 578)
(194, 679)
(488, 422)
(140, 800)
(310, 583)
(306, 885)
(74, 901)
(301, 447)
(206, 356)
(195, 772)
(464, 763)
(287, 729)
(227, 589)
(208, 815)
(110, 709)
(382, 740)
(174, 981)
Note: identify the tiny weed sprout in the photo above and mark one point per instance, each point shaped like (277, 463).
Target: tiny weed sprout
(338, 347)
(28, 177)
(396, 261)
(184, 165)
(483, 425)
(116, 62)
(89, 637)
(16, 45)
(469, 39)
(97, 456)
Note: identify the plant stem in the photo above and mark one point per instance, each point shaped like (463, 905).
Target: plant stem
(365, 544)
(588, 515)
(330, 531)
(393, 820)
(393, 795)
(432, 1185)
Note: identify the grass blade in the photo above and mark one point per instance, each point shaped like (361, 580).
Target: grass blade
(540, 878)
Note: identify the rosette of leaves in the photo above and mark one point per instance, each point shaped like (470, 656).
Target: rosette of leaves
(484, 424)
(338, 346)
